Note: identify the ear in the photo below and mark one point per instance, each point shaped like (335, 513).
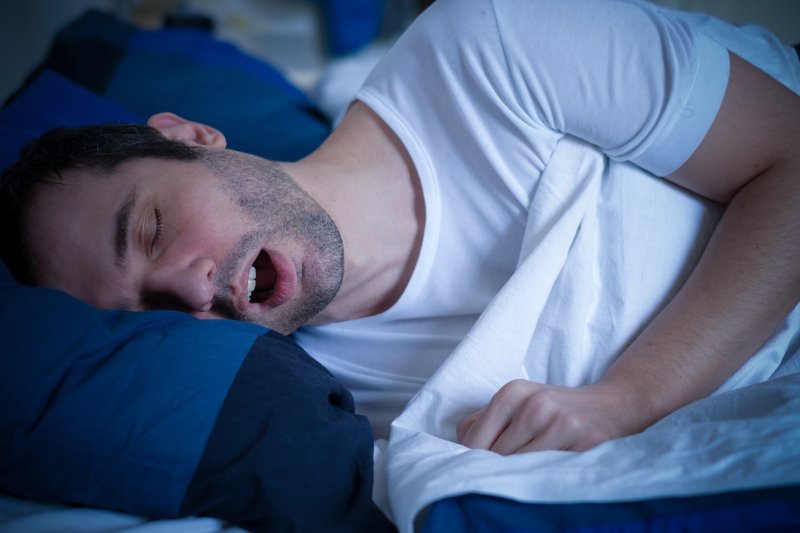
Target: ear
(177, 128)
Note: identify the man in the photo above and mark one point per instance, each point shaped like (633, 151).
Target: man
(393, 236)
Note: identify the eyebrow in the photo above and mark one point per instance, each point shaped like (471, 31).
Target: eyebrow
(122, 218)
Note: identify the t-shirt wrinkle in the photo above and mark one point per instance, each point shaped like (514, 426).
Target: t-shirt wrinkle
(518, 109)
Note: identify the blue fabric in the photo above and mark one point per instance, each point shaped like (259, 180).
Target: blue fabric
(163, 415)
(352, 24)
(191, 73)
(287, 452)
(213, 82)
(107, 408)
(52, 100)
(255, 118)
(201, 48)
(771, 509)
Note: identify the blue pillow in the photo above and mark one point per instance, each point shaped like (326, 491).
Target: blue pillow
(163, 415)
(50, 101)
(189, 72)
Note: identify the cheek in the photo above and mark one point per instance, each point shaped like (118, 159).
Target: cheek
(210, 207)
(214, 233)
(206, 221)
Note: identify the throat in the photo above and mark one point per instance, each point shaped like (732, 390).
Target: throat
(377, 271)
(367, 181)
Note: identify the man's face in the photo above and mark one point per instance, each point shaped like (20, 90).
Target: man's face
(240, 241)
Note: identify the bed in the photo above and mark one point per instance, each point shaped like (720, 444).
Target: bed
(104, 428)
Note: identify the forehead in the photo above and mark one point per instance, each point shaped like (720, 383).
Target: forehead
(97, 191)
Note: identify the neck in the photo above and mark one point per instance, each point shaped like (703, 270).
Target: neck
(363, 177)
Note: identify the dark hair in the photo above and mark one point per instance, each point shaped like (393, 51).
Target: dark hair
(43, 162)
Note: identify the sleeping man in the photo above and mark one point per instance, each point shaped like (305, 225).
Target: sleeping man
(386, 243)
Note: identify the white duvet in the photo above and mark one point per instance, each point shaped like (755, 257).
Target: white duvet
(600, 258)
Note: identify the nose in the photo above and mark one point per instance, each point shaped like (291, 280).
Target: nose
(187, 287)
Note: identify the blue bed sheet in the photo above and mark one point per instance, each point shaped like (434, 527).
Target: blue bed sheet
(772, 509)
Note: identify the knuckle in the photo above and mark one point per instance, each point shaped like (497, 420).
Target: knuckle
(511, 391)
(533, 406)
(543, 401)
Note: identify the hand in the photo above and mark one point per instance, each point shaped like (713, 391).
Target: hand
(525, 416)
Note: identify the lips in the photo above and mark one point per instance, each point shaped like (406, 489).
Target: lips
(275, 280)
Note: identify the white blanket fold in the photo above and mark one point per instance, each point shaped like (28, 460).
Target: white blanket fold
(600, 259)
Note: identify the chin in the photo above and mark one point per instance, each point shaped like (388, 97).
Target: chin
(284, 325)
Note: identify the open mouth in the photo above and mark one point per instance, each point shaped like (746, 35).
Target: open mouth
(261, 279)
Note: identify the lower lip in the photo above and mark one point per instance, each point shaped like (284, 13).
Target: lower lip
(285, 280)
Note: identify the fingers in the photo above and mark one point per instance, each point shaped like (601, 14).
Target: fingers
(531, 429)
(537, 424)
(525, 416)
(483, 428)
(563, 433)
(463, 427)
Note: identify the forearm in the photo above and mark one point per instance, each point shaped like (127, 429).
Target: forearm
(746, 282)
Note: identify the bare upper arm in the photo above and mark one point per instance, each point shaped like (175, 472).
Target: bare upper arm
(757, 128)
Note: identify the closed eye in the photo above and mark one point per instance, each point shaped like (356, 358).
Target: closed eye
(158, 229)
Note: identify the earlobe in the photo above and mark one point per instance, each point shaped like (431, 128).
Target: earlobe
(178, 128)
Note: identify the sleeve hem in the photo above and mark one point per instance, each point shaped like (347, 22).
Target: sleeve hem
(697, 112)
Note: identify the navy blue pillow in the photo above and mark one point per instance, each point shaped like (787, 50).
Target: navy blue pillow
(90, 397)
(163, 415)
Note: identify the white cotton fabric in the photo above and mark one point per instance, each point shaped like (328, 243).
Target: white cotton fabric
(481, 93)
(549, 323)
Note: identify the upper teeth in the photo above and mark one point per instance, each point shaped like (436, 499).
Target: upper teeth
(251, 282)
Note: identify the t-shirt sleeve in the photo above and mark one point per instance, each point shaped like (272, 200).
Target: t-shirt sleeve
(627, 77)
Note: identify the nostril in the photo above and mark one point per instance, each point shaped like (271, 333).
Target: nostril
(211, 274)
(202, 271)
(206, 266)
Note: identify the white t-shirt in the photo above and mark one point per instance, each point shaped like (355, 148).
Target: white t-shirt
(480, 92)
